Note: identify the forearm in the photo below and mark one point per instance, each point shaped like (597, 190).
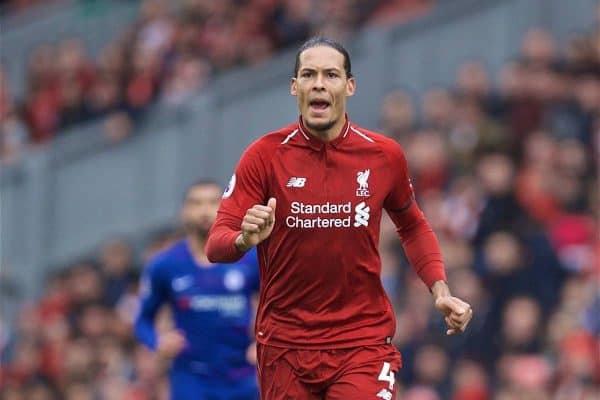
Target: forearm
(144, 331)
(240, 243)
(440, 289)
(221, 244)
(420, 244)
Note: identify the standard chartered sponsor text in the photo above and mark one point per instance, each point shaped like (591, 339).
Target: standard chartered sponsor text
(297, 207)
(300, 209)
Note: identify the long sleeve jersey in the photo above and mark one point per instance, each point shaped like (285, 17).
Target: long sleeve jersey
(211, 305)
(320, 267)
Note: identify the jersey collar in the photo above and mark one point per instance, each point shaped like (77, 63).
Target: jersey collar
(316, 143)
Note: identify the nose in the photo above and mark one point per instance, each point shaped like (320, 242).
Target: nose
(319, 83)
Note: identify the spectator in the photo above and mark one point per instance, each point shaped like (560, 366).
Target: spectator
(398, 115)
(118, 269)
(13, 132)
(521, 325)
(501, 211)
(429, 160)
(470, 381)
(438, 109)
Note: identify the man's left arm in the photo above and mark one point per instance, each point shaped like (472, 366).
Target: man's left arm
(423, 251)
(421, 245)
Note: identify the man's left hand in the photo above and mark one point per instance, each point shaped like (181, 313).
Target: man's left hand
(457, 313)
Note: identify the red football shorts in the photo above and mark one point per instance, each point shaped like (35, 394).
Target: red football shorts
(357, 373)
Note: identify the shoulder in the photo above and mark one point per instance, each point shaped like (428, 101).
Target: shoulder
(271, 140)
(162, 261)
(385, 144)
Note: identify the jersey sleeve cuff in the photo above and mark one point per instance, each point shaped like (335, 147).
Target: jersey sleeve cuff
(432, 273)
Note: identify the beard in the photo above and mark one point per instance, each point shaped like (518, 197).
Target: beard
(320, 127)
(198, 230)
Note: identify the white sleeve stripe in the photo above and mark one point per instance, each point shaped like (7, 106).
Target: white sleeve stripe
(291, 135)
(362, 135)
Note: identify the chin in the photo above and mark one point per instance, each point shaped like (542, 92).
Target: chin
(319, 125)
(199, 231)
(203, 230)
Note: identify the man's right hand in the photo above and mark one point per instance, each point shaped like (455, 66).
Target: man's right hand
(257, 225)
(170, 344)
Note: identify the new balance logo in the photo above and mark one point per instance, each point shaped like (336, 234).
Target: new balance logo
(361, 218)
(385, 394)
(296, 182)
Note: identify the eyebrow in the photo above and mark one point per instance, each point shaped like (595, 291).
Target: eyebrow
(325, 69)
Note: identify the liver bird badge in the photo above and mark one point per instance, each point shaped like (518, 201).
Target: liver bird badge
(362, 177)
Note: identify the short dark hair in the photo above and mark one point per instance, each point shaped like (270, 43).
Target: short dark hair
(324, 41)
(201, 182)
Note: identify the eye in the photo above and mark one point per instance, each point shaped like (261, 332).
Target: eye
(332, 75)
(306, 74)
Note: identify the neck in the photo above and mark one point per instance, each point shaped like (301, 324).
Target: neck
(329, 134)
(196, 245)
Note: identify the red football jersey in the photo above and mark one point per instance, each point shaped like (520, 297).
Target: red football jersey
(320, 267)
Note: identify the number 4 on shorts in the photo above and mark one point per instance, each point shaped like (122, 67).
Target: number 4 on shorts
(387, 375)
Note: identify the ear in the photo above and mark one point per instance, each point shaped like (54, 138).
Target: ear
(350, 86)
(294, 87)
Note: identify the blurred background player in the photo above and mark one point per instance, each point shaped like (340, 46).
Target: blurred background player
(211, 306)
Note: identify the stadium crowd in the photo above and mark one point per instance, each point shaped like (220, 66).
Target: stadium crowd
(505, 174)
(16, 6)
(169, 54)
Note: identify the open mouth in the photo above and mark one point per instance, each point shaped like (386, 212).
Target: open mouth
(318, 105)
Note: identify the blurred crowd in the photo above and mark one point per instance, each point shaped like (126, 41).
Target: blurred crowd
(11, 7)
(504, 168)
(507, 176)
(170, 53)
(76, 343)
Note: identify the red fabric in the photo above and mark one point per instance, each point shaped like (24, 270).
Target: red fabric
(140, 90)
(398, 11)
(42, 115)
(221, 245)
(320, 268)
(52, 362)
(432, 179)
(54, 305)
(420, 244)
(580, 348)
(348, 374)
(536, 199)
(572, 229)
(471, 393)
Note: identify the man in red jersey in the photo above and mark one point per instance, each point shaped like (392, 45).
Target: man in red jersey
(310, 196)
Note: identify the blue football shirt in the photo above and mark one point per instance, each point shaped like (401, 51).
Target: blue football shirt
(210, 304)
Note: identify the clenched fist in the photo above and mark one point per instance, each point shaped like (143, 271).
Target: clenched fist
(257, 225)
